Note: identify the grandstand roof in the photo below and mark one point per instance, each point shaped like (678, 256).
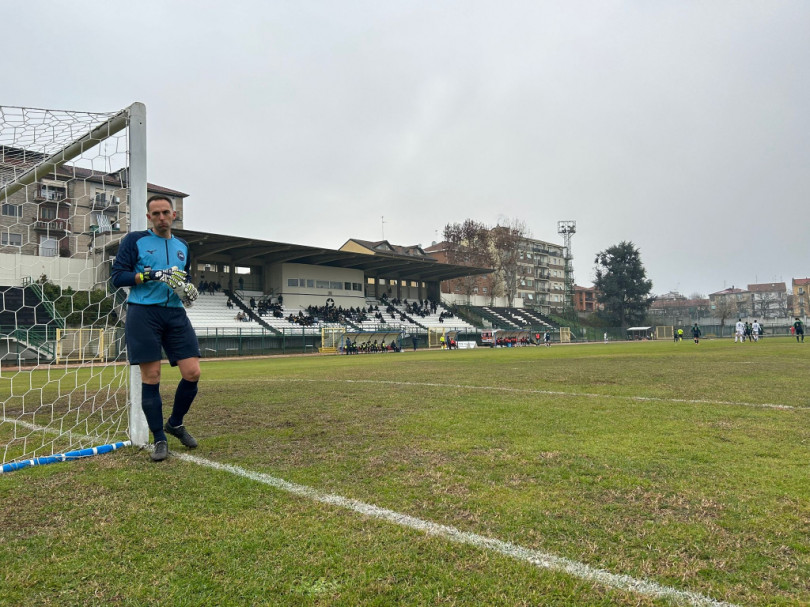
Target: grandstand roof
(252, 251)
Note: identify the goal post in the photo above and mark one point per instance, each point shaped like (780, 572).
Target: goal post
(71, 185)
(435, 338)
(664, 332)
(565, 335)
(332, 339)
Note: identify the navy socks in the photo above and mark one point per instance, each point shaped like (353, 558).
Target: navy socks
(152, 407)
(183, 397)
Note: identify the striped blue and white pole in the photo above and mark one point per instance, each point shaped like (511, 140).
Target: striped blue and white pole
(63, 457)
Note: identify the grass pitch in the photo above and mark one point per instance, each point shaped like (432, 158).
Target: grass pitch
(678, 464)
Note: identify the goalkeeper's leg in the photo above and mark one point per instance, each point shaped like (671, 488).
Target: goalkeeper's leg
(183, 350)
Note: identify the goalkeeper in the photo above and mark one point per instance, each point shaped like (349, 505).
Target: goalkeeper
(155, 265)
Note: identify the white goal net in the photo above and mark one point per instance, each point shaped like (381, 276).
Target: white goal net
(67, 180)
(664, 332)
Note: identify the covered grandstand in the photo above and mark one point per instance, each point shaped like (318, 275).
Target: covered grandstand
(287, 290)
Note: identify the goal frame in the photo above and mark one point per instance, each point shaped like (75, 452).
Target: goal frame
(664, 332)
(132, 118)
(435, 335)
(332, 339)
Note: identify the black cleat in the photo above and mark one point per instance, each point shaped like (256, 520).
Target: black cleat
(160, 452)
(181, 433)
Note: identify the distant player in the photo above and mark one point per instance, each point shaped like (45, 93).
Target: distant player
(755, 330)
(739, 331)
(547, 338)
(798, 327)
(696, 333)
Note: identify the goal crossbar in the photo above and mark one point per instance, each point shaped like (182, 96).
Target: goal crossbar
(106, 129)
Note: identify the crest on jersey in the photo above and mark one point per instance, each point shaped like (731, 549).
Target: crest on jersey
(181, 256)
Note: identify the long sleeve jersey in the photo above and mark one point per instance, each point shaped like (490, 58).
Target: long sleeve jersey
(140, 250)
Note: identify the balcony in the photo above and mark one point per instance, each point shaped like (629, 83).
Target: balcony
(52, 225)
(106, 202)
(114, 226)
(49, 194)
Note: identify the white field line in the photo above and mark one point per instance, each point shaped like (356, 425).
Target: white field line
(542, 560)
(522, 391)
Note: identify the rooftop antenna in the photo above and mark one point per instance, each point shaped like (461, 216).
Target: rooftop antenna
(382, 226)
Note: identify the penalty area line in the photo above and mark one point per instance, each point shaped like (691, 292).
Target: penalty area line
(655, 399)
(537, 558)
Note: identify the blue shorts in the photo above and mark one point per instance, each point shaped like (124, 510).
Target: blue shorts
(148, 328)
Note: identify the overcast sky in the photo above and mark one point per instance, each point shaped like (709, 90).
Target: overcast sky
(681, 126)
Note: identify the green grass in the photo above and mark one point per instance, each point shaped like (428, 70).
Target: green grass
(696, 486)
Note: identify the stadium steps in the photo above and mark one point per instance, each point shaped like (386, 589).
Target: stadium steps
(26, 320)
(498, 321)
(523, 317)
(212, 312)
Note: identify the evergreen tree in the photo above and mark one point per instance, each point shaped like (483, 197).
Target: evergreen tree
(622, 283)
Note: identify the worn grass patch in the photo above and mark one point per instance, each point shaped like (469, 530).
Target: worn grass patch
(702, 487)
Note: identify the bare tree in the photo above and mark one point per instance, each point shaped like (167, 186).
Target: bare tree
(507, 238)
(768, 304)
(468, 244)
(726, 308)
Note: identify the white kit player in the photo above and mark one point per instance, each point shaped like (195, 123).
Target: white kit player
(755, 330)
(739, 331)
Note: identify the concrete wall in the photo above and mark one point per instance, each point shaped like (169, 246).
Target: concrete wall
(479, 300)
(302, 296)
(77, 273)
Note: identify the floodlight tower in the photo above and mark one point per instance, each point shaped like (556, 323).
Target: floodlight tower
(568, 228)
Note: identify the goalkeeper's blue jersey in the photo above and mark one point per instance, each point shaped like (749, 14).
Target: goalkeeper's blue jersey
(140, 250)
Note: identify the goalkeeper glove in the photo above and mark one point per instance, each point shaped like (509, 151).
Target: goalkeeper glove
(187, 293)
(174, 276)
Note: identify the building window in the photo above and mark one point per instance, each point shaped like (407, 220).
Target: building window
(347, 286)
(322, 284)
(12, 210)
(356, 286)
(11, 240)
(310, 283)
(336, 285)
(291, 282)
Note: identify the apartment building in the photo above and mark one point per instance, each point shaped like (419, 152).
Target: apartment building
(801, 296)
(769, 299)
(586, 299)
(71, 212)
(539, 282)
(542, 276)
